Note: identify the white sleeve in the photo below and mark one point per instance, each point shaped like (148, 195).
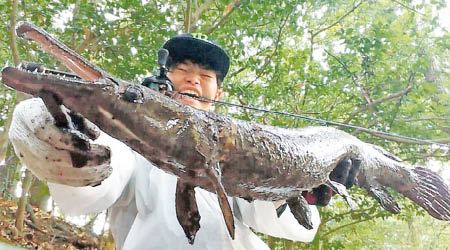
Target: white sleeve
(262, 217)
(82, 200)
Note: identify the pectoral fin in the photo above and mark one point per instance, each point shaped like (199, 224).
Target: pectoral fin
(187, 210)
(342, 191)
(386, 200)
(300, 209)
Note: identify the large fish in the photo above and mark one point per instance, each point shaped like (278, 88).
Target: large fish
(224, 155)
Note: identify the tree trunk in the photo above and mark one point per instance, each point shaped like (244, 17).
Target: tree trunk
(20, 214)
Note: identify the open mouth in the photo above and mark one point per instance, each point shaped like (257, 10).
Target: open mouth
(189, 93)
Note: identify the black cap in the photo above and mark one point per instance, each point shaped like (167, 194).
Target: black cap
(199, 49)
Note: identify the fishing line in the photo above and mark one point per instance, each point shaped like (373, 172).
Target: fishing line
(317, 120)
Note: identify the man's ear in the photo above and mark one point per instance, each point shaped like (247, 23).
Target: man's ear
(219, 93)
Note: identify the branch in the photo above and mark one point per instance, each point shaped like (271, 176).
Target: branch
(344, 65)
(397, 107)
(20, 213)
(311, 51)
(407, 7)
(426, 156)
(235, 5)
(197, 14)
(425, 119)
(12, 33)
(338, 20)
(340, 62)
(378, 102)
(350, 224)
(187, 20)
(75, 12)
(346, 213)
(4, 138)
(83, 45)
(269, 59)
(408, 141)
(243, 68)
(19, 96)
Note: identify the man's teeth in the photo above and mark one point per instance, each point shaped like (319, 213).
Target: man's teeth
(190, 92)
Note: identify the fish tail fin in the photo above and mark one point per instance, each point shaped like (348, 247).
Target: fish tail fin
(431, 193)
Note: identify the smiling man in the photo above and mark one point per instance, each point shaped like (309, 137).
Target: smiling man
(140, 198)
(190, 78)
(196, 66)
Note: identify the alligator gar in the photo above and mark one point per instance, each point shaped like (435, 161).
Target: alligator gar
(227, 156)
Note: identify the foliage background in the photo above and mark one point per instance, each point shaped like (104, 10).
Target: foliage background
(378, 64)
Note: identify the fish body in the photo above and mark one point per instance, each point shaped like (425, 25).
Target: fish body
(255, 161)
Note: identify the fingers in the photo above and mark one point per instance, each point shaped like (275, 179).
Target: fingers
(82, 152)
(65, 118)
(53, 104)
(353, 173)
(84, 126)
(63, 156)
(71, 133)
(63, 139)
(319, 196)
(340, 173)
(345, 173)
(60, 166)
(90, 175)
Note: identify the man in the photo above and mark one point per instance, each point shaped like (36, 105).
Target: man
(139, 196)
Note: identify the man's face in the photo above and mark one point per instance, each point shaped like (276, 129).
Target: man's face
(188, 77)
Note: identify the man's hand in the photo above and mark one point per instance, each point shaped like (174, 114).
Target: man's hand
(58, 150)
(344, 173)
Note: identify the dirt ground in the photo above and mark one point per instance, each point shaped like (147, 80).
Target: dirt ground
(48, 232)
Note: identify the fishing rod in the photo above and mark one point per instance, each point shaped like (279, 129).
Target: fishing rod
(317, 120)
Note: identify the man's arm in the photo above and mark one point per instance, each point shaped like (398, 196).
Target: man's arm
(82, 179)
